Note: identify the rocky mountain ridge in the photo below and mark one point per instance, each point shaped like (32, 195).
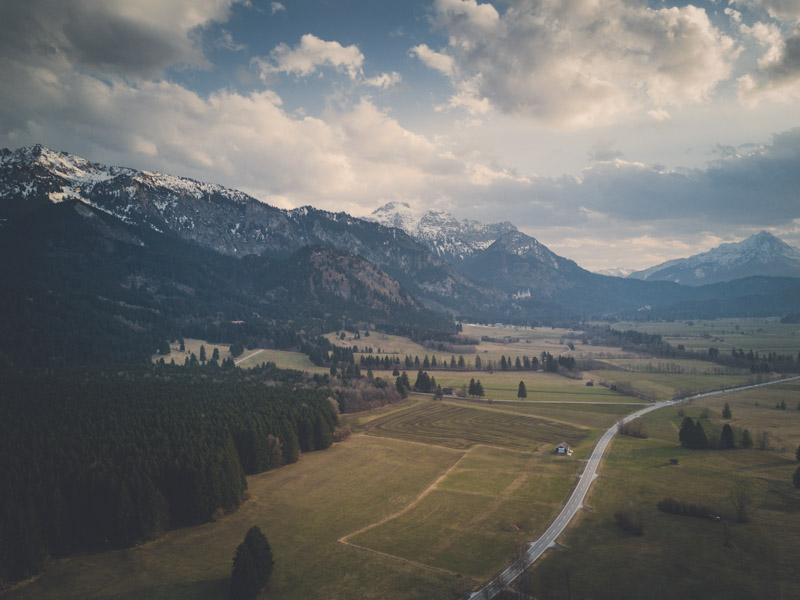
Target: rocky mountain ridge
(448, 237)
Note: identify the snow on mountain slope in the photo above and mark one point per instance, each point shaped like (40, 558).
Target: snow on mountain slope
(760, 254)
(448, 237)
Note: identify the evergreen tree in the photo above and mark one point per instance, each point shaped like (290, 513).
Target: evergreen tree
(396, 372)
(215, 354)
(477, 363)
(518, 364)
(521, 391)
(726, 438)
(685, 433)
(478, 389)
(244, 580)
(747, 439)
(471, 390)
(183, 345)
(202, 354)
(439, 394)
(700, 438)
(797, 454)
(726, 411)
(453, 362)
(461, 363)
(796, 478)
(503, 364)
(163, 348)
(261, 554)
(426, 363)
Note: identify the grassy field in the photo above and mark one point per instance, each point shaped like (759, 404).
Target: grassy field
(282, 358)
(303, 509)
(455, 425)
(683, 557)
(762, 335)
(664, 386)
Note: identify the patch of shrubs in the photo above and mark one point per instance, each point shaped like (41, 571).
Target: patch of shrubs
(686, 509)
(630, 519)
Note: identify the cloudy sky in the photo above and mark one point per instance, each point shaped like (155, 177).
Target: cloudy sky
(620, 133)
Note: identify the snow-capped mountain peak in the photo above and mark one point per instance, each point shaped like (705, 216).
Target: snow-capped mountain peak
(760, 254)
(448, 237)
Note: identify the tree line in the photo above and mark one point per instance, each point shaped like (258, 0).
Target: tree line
(93, 459)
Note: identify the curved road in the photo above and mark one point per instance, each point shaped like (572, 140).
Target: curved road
(575, 502)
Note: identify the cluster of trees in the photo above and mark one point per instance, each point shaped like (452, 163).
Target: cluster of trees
(475, 388)
(692, 435)
(95, 459)
(425, 383)
(252, 566)
(634, 428)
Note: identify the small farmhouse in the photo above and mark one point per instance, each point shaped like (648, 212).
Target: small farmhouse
(448, 391)
(563, 449)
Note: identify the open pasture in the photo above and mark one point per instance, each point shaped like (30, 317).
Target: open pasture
(682, 557)
(762, 335)
(664, 386)
(474, 518)
(303, 509)
(461, 426)
(393, 345)
(283, 359)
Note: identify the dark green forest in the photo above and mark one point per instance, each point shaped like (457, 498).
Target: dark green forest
(95, 459)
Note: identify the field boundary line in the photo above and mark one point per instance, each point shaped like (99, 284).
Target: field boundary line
(410, 505)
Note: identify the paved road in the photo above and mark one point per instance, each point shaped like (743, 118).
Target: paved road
(575, 502)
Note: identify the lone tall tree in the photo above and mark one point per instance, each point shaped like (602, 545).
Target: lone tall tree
(521, 391)
(726, 438)
(252, 566)
(726, 411)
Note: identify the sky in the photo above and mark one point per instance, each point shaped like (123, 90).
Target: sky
(620, 133)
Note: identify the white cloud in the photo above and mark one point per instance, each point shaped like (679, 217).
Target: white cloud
(777, 78)
(276, 7)
(225, 42)
(115, 37)
(580, 63)
(384, 80)
(435, 60)
(310, 54)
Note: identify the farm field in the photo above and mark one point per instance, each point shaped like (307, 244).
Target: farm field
(356, 521)
(663, 386)
(762, 335)
(683, 557)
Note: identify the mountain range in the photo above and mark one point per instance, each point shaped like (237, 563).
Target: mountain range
(760, 254)
(80, 231)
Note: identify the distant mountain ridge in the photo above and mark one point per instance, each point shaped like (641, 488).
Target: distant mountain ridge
(463, 268)
(227, 221)
(761, 254)
(448, 237)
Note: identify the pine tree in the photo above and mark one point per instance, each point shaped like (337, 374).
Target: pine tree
(244, 580)
(262, 555)
(503, 364)
(461, 363)
(202, 354)
(726, 411)
(478, 389)
(471, 391)
(477, 363)
(747, 439)
(215, 354)
(726, 438)
(522, 392)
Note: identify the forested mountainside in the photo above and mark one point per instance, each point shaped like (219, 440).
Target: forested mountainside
(79, 286)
